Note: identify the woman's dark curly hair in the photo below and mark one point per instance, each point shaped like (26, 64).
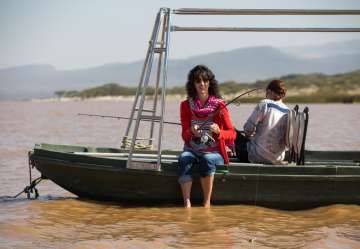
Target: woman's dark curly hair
(198, 73)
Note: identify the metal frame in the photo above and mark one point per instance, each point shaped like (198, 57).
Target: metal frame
(270, 12)
(160, 46)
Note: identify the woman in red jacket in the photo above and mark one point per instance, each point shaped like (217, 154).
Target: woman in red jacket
(206, 131)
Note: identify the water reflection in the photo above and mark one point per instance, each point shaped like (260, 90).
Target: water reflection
(82, 224)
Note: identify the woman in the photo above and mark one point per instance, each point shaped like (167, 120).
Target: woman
(206, 126)
(264, 138)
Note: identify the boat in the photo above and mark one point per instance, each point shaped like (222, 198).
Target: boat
(329, 177)
(144, 173)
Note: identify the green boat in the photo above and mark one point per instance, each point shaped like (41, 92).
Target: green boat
(101, 174)
(141, 172)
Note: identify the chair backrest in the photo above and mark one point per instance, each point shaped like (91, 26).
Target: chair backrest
(291, 116)
(296, 130)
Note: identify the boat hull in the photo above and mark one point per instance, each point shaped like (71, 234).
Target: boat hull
(284, 187)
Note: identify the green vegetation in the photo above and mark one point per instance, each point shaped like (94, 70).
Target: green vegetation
(302, 88)
(110, 89)
(327, 84)
(313, 98)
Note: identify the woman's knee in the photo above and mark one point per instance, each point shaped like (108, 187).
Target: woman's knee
(213, 159)
(186, 157)
(186, 161)
(208, 163)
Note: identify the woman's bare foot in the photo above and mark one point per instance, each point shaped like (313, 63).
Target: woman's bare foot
(206, 204)
(187, 203)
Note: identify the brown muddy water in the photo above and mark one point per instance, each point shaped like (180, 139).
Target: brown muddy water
(60, 220)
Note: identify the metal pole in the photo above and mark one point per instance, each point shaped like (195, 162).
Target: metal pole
(141, 81)
(195, 11)
(239, 29)
(157, 79)
(164, 79)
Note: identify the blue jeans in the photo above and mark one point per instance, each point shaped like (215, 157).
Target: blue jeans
(207, 164)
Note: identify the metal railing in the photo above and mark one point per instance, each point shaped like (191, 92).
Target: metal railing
(267, 12)
(160, 46)
(272, 12)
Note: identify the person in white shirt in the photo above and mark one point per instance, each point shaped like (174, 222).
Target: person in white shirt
(263, 139)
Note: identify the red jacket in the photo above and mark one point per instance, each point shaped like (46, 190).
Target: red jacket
(222, 119)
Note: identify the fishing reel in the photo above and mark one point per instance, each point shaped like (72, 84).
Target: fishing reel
(205, 139)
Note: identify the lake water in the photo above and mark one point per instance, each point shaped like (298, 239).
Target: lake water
(59, 220)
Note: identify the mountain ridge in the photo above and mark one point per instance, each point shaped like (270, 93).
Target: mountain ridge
(242, 65)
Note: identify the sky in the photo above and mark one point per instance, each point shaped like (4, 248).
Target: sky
(75, 34)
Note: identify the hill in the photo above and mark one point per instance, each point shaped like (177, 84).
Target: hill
(240, 65)
(314, 88)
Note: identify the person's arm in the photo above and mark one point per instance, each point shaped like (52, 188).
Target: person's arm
(226, 131)
(185, 117)
(256, 116)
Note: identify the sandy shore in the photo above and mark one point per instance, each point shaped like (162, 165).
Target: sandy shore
(106, 98)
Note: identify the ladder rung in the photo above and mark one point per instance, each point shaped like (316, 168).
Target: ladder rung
(159, 50)
(146, 110)
(149, 117)
(144, 139)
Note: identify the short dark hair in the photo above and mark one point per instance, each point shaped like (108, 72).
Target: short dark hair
(277, 87)
(201, 72)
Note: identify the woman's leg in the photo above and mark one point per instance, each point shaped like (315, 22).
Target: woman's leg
(186, 161)
(186, 190)
(207, 185)
(208, 164)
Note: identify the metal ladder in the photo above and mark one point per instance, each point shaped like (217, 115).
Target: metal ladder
(158, 45)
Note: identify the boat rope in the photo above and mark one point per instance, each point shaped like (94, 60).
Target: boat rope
(31, 188)
(28, 190)
(257, 185)
(126, 143)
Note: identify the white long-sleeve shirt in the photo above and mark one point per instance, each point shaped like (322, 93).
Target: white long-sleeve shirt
(267, 129)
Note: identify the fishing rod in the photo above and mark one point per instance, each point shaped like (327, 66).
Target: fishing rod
(167, 122)
(231, 101)
(206, 138)
(239, 96)
(120, 117)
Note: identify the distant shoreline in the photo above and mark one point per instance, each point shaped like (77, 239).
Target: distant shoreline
(290, 98)
(301, 88)
(102, 98)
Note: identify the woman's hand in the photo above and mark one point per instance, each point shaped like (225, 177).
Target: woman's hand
(215, 128)
(195, 130)
(249, 134)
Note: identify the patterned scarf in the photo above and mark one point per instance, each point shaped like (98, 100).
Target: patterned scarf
(210, 106)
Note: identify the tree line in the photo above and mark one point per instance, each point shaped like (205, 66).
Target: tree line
(302, 88)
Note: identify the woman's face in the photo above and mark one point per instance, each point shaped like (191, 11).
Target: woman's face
(202, 87)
